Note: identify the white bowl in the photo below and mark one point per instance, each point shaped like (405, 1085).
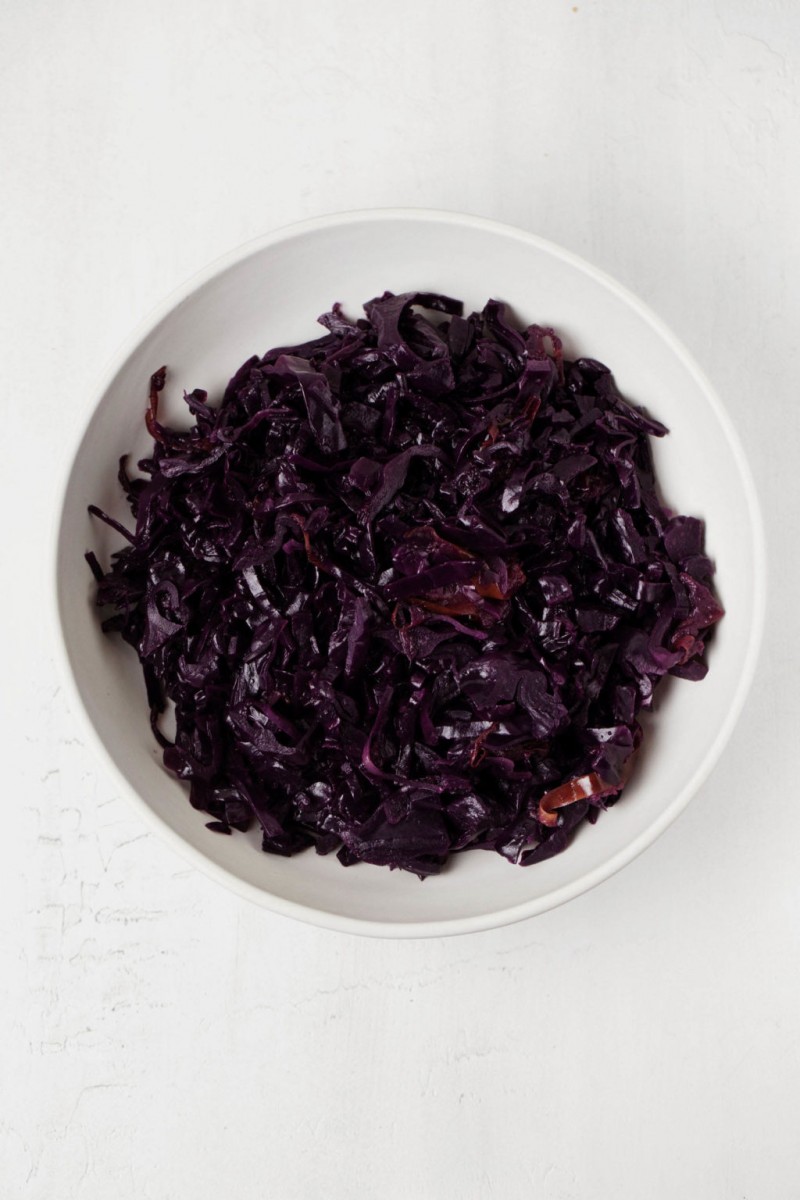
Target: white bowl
(269, 293)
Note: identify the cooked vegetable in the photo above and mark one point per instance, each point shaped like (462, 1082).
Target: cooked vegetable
(408, 587)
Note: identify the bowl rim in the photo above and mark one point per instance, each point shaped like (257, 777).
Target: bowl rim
(308, 912)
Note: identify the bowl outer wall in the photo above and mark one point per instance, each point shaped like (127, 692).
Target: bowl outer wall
(350, 257)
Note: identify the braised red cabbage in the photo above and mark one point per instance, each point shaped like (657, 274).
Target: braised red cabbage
(408, 587)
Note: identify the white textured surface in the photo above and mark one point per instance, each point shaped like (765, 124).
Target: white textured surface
(160, 1037)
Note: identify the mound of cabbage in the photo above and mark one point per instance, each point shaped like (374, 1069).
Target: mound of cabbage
(408, 587)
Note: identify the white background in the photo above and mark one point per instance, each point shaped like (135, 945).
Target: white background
(159, 1037)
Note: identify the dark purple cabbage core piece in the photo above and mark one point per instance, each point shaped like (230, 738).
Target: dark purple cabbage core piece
(409, 587)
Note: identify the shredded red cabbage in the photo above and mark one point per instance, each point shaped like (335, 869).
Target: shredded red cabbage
(408, 586)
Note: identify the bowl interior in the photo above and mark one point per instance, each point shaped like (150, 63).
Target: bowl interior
(270, 294)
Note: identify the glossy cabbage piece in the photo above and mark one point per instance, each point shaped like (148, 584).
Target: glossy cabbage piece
(409, 587)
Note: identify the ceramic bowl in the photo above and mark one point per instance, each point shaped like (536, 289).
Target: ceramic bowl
(268, 293)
